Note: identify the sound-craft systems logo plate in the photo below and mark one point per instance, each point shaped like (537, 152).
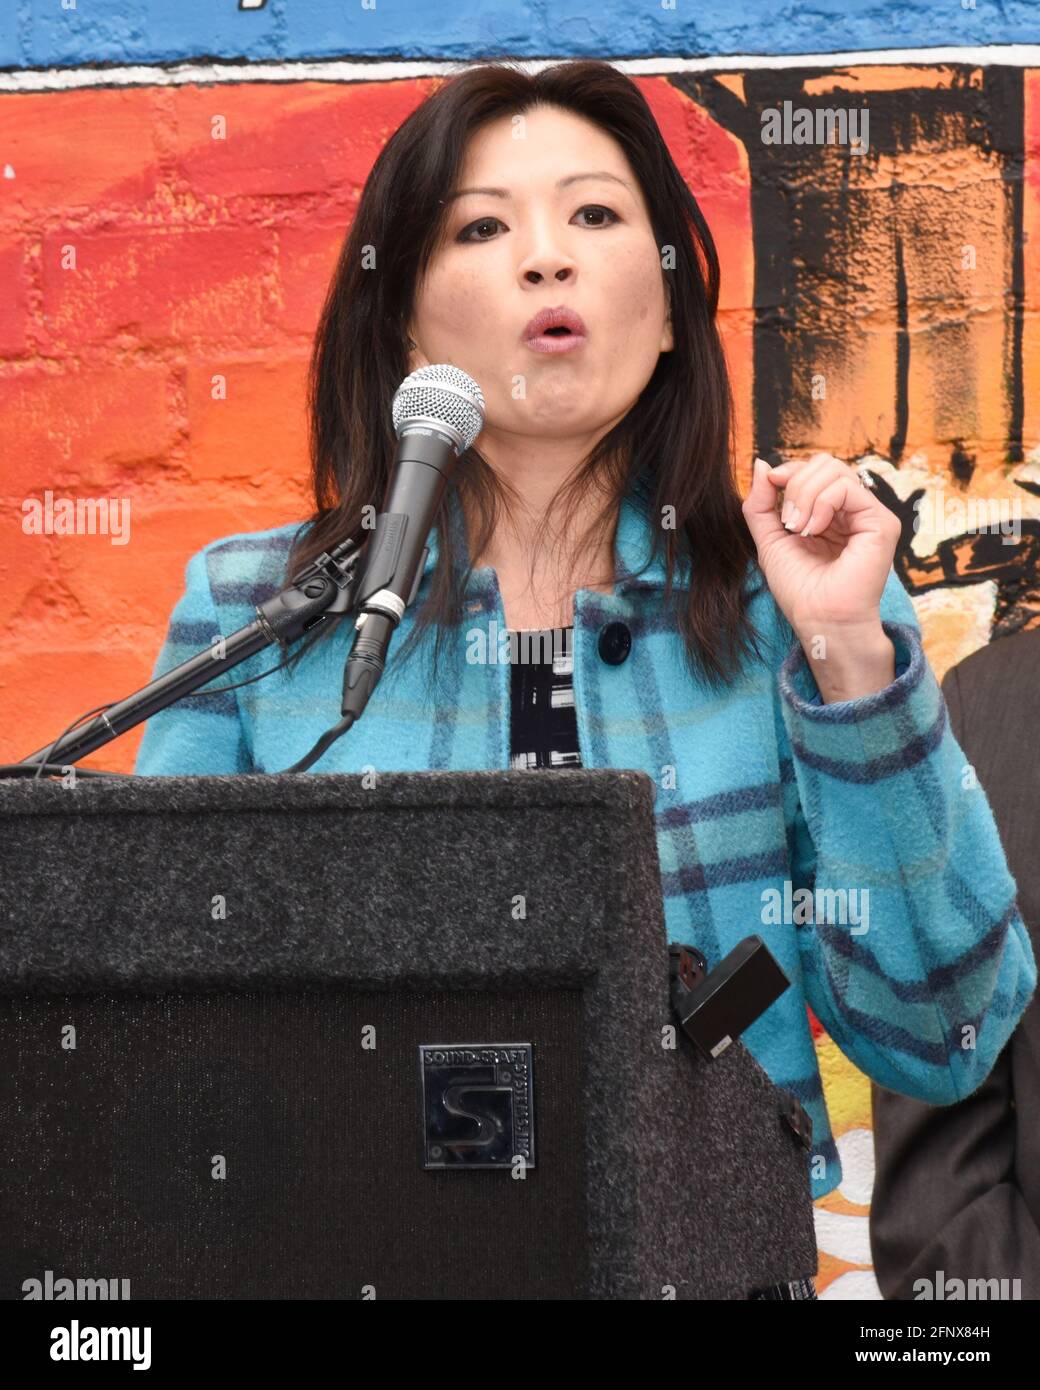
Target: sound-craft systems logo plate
(477, 1104)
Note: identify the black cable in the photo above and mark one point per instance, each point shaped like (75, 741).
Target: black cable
(328, 738)
(68, 729)
(29, 769)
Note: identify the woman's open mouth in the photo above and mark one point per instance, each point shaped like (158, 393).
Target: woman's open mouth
(555, 330)
(556, 340)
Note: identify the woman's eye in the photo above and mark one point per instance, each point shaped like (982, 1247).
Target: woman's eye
(596, 208)
(464, 235)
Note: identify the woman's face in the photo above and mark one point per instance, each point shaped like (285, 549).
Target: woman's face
(587, 246)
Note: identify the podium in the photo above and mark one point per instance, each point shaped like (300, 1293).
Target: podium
(323, 1036)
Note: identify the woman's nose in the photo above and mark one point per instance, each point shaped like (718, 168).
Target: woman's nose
(536, 276)
(548, 257)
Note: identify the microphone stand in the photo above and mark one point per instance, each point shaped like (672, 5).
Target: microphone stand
(325, 589)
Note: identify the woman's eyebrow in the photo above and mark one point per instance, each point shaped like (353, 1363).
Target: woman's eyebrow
(560, 183)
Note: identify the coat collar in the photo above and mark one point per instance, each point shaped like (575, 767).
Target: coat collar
(632, 544)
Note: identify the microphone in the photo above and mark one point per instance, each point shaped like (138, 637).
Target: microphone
(438, 412)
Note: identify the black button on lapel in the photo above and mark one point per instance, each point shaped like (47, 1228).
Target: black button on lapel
(615, 643)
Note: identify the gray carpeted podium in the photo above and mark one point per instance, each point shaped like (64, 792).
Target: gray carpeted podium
(300, 1037)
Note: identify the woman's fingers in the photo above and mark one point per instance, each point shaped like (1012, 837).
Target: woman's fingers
(803, 512)
(836, 496)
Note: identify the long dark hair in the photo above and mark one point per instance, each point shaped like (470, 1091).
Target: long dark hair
(674, 447)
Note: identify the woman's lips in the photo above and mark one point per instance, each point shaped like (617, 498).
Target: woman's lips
(556, 328)
(556, 342)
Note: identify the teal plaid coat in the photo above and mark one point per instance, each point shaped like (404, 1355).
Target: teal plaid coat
(762, 791)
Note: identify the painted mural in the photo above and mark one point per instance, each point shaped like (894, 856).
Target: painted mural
(175, 184)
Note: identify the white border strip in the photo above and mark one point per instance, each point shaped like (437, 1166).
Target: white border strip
(350, 70)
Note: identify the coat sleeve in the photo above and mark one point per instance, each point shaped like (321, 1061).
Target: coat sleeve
(921, 976)
(201, 734)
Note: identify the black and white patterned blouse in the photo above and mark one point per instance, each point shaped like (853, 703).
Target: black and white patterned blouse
(544, 733)
(544, 726)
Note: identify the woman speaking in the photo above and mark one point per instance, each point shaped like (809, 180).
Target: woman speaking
(762, 664)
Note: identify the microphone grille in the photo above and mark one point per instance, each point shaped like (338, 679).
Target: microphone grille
(442, 395)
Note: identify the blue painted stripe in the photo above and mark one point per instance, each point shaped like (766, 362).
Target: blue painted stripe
(154, 31)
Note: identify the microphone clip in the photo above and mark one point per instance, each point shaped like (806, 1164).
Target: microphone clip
(716, 1006)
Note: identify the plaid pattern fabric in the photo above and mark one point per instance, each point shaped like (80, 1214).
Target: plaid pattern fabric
(762, 791)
